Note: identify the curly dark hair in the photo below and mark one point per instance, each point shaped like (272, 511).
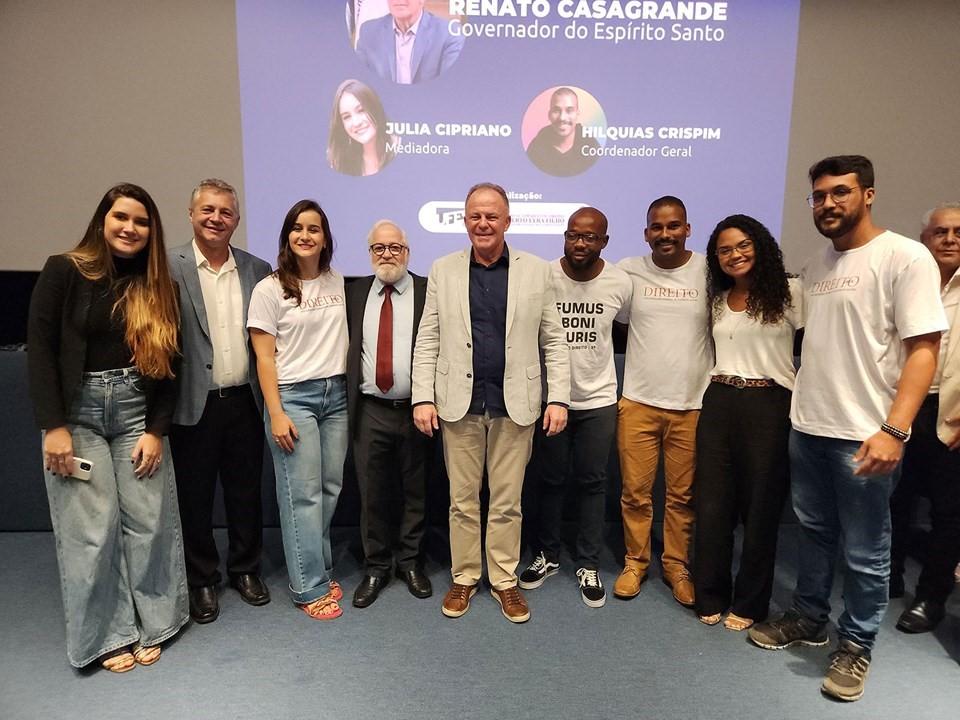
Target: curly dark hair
(769, 292)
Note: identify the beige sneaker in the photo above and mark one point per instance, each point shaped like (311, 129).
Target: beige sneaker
(628, 584)
(849, 665)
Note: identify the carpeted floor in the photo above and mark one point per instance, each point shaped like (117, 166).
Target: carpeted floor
(639, 660)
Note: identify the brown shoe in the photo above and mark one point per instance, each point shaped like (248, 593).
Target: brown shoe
(457, 600)
(628, 584)
(512, 604)
(682, 587)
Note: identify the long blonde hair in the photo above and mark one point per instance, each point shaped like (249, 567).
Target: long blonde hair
(149, 301)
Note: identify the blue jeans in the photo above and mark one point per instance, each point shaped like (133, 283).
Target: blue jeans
(119, 546)
(836, 507)
(309, 480)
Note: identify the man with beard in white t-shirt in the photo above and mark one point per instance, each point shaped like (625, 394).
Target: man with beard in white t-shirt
(873, 325)
(591, 294)
(667, 368)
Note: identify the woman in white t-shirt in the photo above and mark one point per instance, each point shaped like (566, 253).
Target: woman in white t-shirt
(742, 466)
(298, 327)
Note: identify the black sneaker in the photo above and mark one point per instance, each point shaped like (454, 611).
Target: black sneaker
(791, 628)
(849, 665)
(591, 589)
(538, 571)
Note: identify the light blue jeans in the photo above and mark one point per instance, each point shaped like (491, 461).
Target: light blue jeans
(839, 511)
(119, 545)
(309, 480)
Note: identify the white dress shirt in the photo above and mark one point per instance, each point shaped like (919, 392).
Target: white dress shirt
(402, 300)
(223, 301)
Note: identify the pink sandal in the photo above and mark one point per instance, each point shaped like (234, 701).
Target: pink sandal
(323, 608)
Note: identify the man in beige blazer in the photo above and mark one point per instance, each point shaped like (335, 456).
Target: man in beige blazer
(931, 461)
(489, 313)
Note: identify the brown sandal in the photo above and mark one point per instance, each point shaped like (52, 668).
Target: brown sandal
(120, 660)
(145, 655)
(709, 619)
(737, 623)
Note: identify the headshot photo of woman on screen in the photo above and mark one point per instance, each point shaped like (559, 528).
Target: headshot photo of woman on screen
(358, 138)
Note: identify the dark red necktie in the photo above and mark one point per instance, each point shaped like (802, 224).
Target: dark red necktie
(385, 342)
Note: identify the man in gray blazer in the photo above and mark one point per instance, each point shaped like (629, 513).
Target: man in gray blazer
(408, 45)
(489, 313)
(931, 461)
(218, 427)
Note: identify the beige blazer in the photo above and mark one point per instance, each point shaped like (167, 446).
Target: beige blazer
(949, 400)
(443, 356)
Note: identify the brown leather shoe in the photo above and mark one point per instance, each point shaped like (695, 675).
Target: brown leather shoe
(682, 587)
(457, 600)
(512, 604)
(628, 584)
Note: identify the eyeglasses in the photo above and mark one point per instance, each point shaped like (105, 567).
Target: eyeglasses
(379, 249)
(743, 247)
(840, 194)
(572, 236)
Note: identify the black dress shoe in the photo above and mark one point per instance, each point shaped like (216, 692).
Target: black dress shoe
(368, 589)
(204, 606)
(923, 616)
(251, 588)
(418, 583)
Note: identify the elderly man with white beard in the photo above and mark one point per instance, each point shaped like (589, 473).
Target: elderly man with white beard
(390, 456)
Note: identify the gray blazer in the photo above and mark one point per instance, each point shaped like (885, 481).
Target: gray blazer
(196, 374)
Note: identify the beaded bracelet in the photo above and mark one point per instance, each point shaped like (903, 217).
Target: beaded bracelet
(899, 434)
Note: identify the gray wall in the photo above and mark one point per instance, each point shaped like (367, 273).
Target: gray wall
(97, 92)
(102, 91)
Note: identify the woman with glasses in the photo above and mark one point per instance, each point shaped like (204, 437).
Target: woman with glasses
(103, 343)
(298, 327)
(742, 467)
(358, 143)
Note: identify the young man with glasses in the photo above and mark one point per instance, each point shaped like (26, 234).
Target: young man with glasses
(391, 458)
(873, 323)
(591, 294)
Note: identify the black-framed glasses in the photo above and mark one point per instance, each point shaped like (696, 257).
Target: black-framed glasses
(840, 194)
(379, 249)
(743, 247)
(589, 238)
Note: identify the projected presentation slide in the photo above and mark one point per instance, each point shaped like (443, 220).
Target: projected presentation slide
(394, 108)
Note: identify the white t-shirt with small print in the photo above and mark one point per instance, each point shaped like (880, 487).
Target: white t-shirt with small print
(859, 305)
(312, 336)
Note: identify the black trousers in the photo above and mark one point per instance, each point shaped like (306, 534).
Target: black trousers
(226, 443)
(929, 467)
(392, 460)
(581, 453)
(742, 476)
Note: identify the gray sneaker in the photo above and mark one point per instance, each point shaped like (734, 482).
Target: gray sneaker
(849, 665)
(791, 628)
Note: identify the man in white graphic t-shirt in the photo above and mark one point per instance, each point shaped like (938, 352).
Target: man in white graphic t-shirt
(669, 357)
(873, 324)
(590, 294)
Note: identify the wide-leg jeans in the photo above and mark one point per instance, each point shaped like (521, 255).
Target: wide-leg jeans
(309, 480)
(119, 544)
